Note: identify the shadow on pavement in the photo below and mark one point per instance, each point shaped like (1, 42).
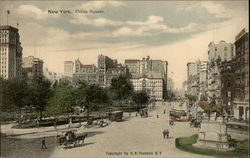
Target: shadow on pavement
(15, 135)
(80, 145)
(26, 148)
(93, 133)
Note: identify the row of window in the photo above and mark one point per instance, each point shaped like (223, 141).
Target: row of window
(4, 32)
(147, 86)
(3, 49)
(148, 81)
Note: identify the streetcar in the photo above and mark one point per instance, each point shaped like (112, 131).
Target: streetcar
(178, 115)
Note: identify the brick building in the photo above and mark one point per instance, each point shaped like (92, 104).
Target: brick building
(241, 78)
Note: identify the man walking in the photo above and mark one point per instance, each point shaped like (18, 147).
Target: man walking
(164, 134)
(167, 133)
(43, 144)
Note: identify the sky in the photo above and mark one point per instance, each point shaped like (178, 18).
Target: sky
(176, 31)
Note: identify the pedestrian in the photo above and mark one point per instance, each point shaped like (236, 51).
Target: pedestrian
(164, 134)
(167, 133)
(164, 111)
(43, 144)
(157, 116)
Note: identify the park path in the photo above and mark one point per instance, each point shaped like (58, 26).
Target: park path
(134, 137)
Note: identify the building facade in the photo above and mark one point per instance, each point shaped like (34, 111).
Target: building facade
(88, 77)
(217, 53)
(89, 68)
(193, 78)
(197, 78)
(114, 73)
(78, 66)
(241, 79)
(153, 86)
(133, 66)
(104, 63)
(10, 53)
(68, 68)
(227, 81)
(32, 67)
(150, 68)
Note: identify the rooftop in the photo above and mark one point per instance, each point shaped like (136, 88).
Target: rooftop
(131, 60)
(8, 27)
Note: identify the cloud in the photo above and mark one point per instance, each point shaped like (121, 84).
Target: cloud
(95, 22)
(31, 11)
(100, 4)
(126, 31)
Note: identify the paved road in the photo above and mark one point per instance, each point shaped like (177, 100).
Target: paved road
(137, 137)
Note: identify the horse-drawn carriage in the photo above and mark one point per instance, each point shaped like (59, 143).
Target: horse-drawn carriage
(69, 139)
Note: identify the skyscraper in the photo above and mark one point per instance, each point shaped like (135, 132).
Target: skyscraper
(217, 54)
(32, 67)
(10, 53)
(68, 68)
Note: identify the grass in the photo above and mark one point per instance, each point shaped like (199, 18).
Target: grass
(185, 144)
(47, 123)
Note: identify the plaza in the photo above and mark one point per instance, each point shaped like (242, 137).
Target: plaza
(134, 136)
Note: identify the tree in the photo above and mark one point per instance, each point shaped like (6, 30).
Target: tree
(140, 98)
(14, 96)
(121, 88)
(191, 98)
(39, 91)
(92, 98)
(62, 101)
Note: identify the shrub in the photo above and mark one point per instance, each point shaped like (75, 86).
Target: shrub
(186, 144)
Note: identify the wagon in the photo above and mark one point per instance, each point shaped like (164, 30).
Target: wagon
(69, 139)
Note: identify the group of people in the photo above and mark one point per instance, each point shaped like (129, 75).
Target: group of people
(165, 133)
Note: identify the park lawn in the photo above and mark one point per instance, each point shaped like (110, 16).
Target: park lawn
(185, 144)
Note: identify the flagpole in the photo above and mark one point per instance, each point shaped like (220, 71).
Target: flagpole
(7, 17)
(8, 12)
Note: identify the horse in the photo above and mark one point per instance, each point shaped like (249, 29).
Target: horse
(80, 139)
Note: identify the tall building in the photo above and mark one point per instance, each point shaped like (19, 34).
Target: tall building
(170, 85)
(197, 78)
(217, 53)
(150, 68)
(241, 79)
(10, 53)
(192, 70)
(203, 79)
(78, 66)
(193, 78)
(32, 67)
(114, 73)
(153, 86)
(68, 68)
(104, 63)
(133, 65)
(227, 82)
(145, 65)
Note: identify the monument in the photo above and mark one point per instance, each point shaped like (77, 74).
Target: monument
(213, 135)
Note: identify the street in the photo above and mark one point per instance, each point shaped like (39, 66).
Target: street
(133, 137)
